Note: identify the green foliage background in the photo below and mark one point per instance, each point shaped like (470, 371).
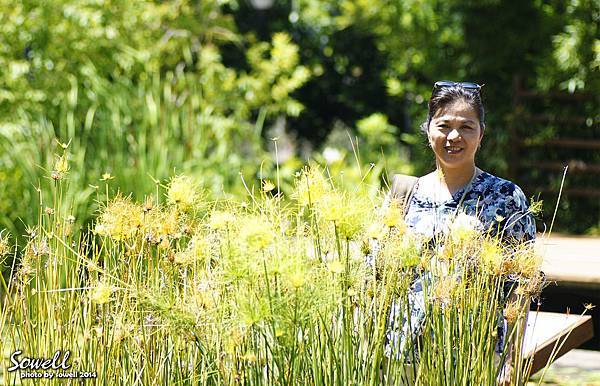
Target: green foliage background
(145, 90)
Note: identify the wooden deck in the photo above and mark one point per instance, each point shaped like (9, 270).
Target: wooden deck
(571, 260)
(548, 336)
(573, 263)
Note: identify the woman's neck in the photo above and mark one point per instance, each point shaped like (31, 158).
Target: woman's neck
(455, 178)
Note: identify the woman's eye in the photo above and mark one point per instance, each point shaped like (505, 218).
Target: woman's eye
(443, 126)
(467, 127)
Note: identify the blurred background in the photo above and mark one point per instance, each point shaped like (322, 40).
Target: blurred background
(120, 95)
(144, 90)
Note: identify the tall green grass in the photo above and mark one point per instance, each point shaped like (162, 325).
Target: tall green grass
(202, 118)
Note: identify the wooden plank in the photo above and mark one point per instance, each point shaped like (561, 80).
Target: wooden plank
(570, 260)
(572, 192)
(565, 142)
(575, 166)
(548, 118)
(549, 336)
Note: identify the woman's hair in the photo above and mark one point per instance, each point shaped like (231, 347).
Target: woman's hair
(445, 96)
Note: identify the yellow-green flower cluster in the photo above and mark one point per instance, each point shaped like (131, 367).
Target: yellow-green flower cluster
(349, 213)
(161, 225)
(4, 244)
(198, 249)
(101, 293)
(221, 220)
(311, 186)
(393, 217)
(256, 232)
(120, 220)
(402, 250)
(491, 256)
(124, 220)
(183, 192)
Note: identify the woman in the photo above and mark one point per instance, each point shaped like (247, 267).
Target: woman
(455, 127)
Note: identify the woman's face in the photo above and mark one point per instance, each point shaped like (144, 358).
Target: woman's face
(454, 134)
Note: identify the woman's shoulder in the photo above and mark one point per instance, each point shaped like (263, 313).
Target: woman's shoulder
(504, 205)
(503, 190)
(498, 184)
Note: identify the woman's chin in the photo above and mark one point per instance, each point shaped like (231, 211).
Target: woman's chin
(456, 162)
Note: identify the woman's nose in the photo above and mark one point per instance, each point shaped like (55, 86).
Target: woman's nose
(453, 135)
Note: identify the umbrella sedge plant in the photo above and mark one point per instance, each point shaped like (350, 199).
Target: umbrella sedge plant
(315, 288)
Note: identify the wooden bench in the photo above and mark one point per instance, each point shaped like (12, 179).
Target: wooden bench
(549, 336)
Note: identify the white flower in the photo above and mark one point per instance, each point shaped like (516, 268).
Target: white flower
(332, 155)
(464, 222)
(464, 227)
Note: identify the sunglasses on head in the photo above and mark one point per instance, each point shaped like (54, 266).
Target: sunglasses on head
(466, 85)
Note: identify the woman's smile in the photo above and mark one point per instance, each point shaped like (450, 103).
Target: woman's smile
(453, 149)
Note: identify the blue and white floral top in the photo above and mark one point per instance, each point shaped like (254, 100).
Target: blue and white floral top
(496, 205)
(499, 206)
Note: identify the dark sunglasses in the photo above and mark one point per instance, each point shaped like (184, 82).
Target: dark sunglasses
(466, 85)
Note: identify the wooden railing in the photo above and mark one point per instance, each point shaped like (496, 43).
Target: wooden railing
(523, 142)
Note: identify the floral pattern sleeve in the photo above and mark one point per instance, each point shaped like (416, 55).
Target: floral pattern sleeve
(516, 223)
